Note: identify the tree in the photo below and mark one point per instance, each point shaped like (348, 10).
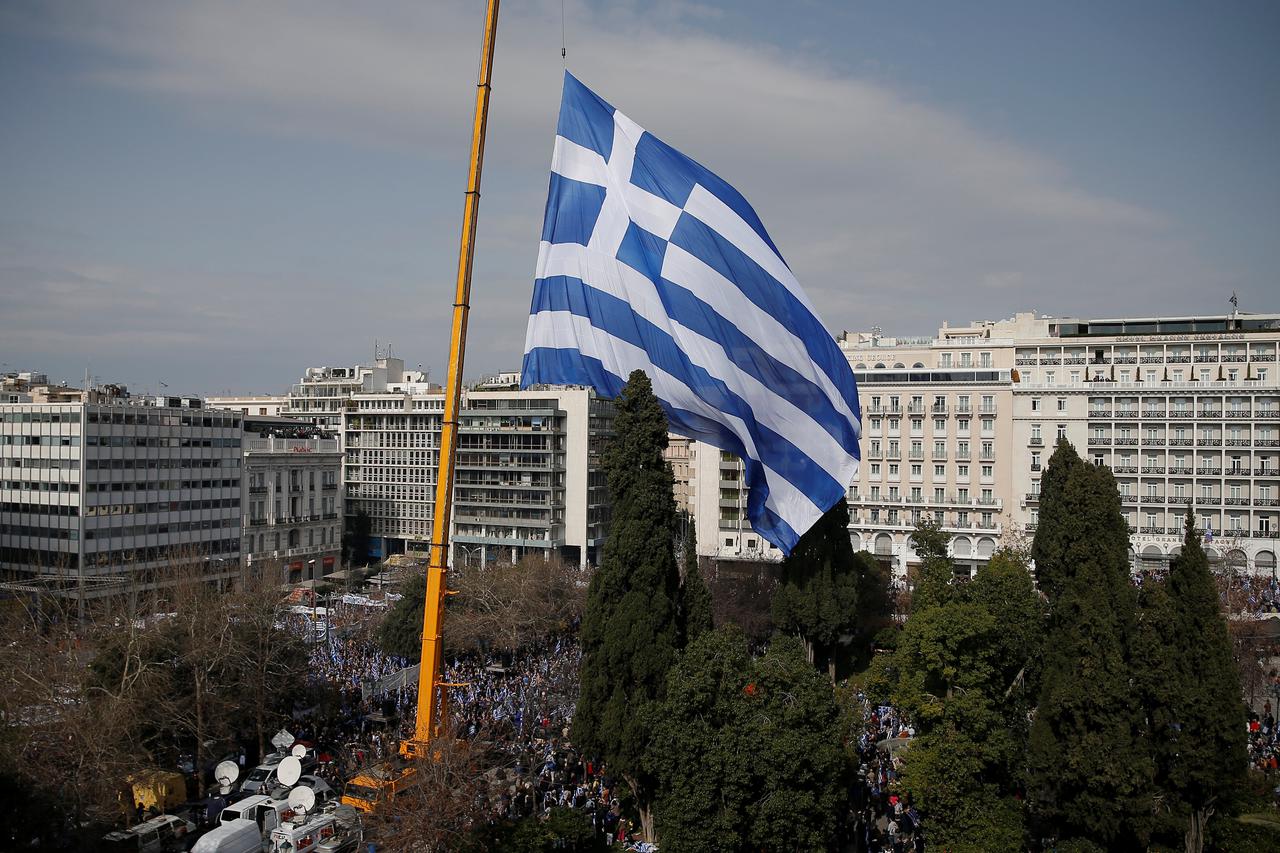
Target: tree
(817, 596)
(356, 538)
(630, 629)
(960, 673)
(1203, 752)
(747, 751)
(937, 571)
(1089, 766)
(400, 633)
(1057, 531)
(505, 606)
(695, 598)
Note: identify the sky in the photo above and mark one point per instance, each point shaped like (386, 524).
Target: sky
(218, 195)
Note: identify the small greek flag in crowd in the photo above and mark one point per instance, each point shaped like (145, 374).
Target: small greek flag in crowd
(649, 261)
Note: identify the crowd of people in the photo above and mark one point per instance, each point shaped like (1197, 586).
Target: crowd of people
(884, 821)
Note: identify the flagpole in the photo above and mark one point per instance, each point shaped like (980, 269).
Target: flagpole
(432, 710)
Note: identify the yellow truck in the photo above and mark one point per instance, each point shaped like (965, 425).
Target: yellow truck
(163, 789)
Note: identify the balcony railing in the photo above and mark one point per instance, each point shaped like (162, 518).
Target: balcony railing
(1128, 442)
(1124, 469)
(1153, 499)
(1100, 413)
(1209, 442)
(1180, 442)
(1239, 413)
(1152, 469)
(1208, 471)
(1036, 441)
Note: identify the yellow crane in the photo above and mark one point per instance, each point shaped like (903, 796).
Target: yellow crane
(376, 785)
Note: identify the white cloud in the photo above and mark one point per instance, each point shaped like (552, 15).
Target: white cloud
(891, 211)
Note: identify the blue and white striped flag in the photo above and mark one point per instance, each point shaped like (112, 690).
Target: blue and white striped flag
(649, 261)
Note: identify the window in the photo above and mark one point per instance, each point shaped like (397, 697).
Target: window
(984, 359)
(1062, 404)
(875, 469)
(937, 495)
(1035, 461)
(917, 470)
(1035, 404)
(966, 359)
(988, 426)
(1062, 432)
(988, 471)
(939, 471)
(1035, 432)
(1049, 377)
(945, 359)
(939, 425)
(893, 469)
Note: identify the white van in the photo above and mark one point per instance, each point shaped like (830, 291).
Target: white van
(264, 812)
(237, 836)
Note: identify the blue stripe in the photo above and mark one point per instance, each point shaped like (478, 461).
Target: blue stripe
(571, 367)
(585, 117)
(665, 172)
(615, 317)
(743, 352)
(696, 238)
(572, 210)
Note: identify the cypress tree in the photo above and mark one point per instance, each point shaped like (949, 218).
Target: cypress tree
(1057, 530)
(817, 594)
(630, 628)
(1089, 766)
(1207, 711)
(695, 598)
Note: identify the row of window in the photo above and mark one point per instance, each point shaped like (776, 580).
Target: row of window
(157, 441)
(161, 528)
(875, 469)
(157, 485)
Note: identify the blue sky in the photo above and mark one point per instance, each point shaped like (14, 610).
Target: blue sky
(218, 195)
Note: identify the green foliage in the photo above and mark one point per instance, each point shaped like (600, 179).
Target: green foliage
(747, 752)
(937, 571)
(1055, 532)
(817, 597)
(1090, 768)
(630, 629)
(401, 630)
(960, 672)
(561, 829)
(1190, 685)
(695, 598)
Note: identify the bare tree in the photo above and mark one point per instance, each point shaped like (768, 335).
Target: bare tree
(508, 606)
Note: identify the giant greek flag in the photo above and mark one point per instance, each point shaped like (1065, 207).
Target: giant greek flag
(649, 261)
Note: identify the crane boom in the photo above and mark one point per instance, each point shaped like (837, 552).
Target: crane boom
(432, 711)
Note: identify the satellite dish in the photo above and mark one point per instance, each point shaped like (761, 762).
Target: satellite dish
(289, 771)
(282, 739)
(226, 773)
(299, 750)
(302, 799)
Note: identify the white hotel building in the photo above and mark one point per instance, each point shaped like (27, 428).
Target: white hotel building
(959, 427)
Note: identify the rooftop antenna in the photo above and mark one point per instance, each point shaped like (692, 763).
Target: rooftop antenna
(226, 774)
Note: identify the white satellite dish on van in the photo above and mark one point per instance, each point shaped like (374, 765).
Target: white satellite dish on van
(289, 771)
(302, 799)
(299, 750)
(226, 773)
(282, 739)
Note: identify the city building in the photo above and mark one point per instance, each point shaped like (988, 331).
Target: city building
(293, 504)
(680, 455)
(101, 496)
(959, 427)
(527, 480)
(256, 406)
(321, 395)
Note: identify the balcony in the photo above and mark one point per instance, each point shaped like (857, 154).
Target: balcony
(963, 456)
(1262, 356)
(1151, 359)
(1183, 500)
(915, 454)
(1126, 359)
(1153, 413)
(1153, 441)
(1209, 442)
(987, 456)
(1125, 469)
(1180, 442)
(1266, 502)
(1152, 531)
(1153, 499)
(256, 522)
(1152, 469)
(1094, 441)
(1103, 360)
(1236, 501)
(987, 409)
(257, 490)
(938, 408)
(1238, 442)
(1209, 501)
(1179, 359)
(1051, 361)
(1073, 359)
(1264, 534)
(1233, 356)
(1181, 414)
(1239, 413)
(1037, 441)
(1202, 358)
(1100, 413)
(1180, 469)
(1267, 442)
(1127, 442)
(1208, 471)
(1209, 413)
(1031, 497)
(1265, 472)
(915, 408)
(1029, 527)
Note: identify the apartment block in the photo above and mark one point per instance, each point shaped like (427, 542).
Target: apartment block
(95, 496)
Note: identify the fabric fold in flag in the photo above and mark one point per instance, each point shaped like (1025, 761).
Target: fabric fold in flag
(650, 261)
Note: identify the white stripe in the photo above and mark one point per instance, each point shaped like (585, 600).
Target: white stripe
(578, 163)
(775, 411)
(722, 219)
(704, 282)
(556, 329)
